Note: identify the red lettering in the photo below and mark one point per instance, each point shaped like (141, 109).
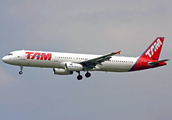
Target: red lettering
(39, 56)
(36, 55)
(46, 56)
(29, 53)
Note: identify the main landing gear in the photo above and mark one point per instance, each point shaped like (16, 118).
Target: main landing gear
(21, 68)
(79, 77)
(87, 75)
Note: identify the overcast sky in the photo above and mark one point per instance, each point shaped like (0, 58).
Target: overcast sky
(85, 26)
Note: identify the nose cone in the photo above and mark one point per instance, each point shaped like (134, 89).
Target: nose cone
(5, 59)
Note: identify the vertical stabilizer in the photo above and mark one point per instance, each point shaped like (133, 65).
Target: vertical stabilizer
(154, 50)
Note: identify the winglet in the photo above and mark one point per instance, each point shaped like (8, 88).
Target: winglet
(119, 52)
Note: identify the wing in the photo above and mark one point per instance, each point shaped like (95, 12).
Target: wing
(90, 64)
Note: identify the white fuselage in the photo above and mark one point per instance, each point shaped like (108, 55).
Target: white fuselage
(20, 58)
(67, 63)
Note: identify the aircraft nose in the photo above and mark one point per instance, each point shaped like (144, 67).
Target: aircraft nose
(5, 59)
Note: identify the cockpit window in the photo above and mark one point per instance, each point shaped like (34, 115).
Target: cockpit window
(10, 54)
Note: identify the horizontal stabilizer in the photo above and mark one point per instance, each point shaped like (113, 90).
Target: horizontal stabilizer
(154, 63)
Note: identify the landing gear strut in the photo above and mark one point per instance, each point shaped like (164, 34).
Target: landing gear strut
(79, 77)
(87, 75)
(21, 68)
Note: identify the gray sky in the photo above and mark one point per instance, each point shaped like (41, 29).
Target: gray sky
(87, 26)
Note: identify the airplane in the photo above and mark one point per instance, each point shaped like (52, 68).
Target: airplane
(67, 63)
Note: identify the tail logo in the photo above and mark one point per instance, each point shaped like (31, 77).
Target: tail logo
(153, 48)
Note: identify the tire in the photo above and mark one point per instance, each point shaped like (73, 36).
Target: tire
(20, 72)
(79, 77)
(87, 75)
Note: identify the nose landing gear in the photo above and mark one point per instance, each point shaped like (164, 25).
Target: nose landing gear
(21, 68)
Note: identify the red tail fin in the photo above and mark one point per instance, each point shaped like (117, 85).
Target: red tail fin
(154, 50)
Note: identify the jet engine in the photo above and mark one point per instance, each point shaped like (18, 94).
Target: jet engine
(62, 71)
(73, 67)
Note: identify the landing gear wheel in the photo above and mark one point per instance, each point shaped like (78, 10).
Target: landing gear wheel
(79, 77)
(20, 72)
(87, 75)
(21, 68)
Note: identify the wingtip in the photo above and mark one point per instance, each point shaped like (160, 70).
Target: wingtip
(119, 52)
